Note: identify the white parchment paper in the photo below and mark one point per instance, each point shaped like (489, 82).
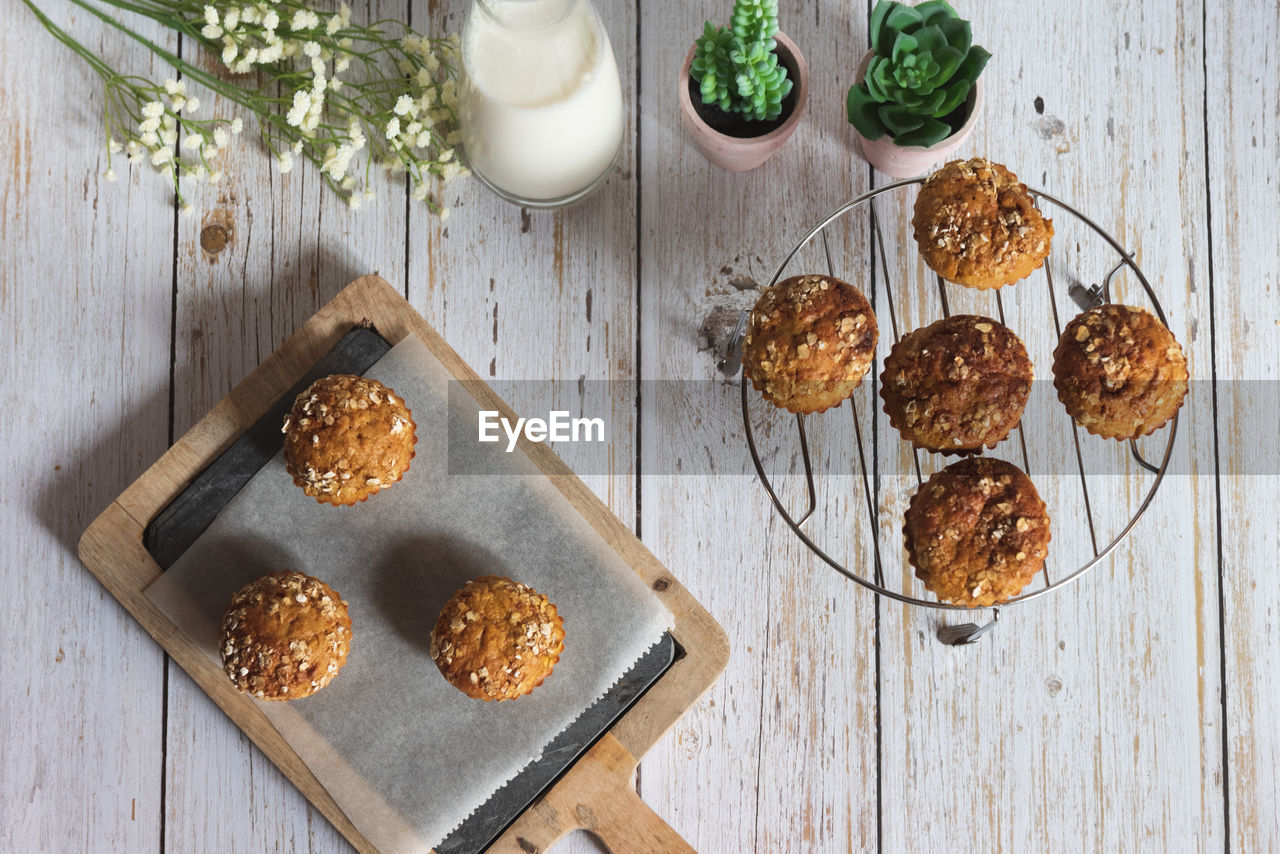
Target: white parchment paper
(405, 755)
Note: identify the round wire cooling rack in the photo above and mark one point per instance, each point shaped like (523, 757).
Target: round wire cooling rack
(873, 576)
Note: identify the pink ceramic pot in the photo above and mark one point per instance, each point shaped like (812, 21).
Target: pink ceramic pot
(908, 162)
(738, 154)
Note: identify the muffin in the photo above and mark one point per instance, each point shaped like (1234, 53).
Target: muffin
(497, 639)
(1119, 371)
(810, 341)
(284, 636)
(956, 386)
(346, 438)
(977, 532)
(977, 226)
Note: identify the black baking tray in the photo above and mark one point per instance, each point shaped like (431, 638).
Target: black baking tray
(184, 519)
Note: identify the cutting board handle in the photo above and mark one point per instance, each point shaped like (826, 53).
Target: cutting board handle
(626, 825)
(596, 795)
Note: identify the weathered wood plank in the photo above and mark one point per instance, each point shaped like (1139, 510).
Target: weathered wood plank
(1242, 108)
(288, 244)
(1006, 744)
(84, 285)
(781, 755)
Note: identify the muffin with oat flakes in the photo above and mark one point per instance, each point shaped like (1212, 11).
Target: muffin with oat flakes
(1119, 371)
(497, 639)
(956, 386)
(284, 636)
(977, 226)
(977, 532)
(346, 438)
(809, 343)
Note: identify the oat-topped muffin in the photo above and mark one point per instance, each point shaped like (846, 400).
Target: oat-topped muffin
(956, 386)
(977, 226)
(977, 532)
(1119, 371)
(346, 438)
(810, 341)
(284, 636)
(497, 639)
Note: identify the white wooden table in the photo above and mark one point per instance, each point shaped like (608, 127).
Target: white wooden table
(1133, 711)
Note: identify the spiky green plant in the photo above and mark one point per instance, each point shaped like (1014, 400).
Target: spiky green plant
(736, 67)
(924, 66)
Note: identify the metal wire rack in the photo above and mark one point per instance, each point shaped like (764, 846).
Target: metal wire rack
(872, 575)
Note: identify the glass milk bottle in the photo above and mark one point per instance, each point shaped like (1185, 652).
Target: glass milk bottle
(539, 101)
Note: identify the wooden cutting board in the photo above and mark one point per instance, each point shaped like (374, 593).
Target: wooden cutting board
(596, 792)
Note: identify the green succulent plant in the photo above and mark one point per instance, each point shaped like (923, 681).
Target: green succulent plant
(924, 66)
(736, 67)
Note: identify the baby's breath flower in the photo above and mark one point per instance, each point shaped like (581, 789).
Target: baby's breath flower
(187, 209)
(298, 112)
(398, 105)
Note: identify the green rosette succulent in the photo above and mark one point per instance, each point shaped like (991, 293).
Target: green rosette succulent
(925, 65)
(736, 67)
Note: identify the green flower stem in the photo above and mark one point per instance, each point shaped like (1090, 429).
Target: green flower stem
(232, 93)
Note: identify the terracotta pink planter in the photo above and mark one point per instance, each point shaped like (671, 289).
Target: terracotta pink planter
(738, 154)
(908, 162)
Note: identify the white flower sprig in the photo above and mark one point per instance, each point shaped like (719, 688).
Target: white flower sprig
(345, 96)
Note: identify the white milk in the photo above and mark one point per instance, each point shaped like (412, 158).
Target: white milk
(540, 103)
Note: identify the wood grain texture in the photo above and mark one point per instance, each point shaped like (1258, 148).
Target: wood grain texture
(1243, 135)
(1050, 718)
(781, 755)
(84, 277)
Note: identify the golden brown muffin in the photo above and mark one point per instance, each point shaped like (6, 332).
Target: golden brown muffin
(497, 639)
(284, 636)
(810, 341)
(956, 386)
(1119, 371)
(346, 438)
(977, 226)
(977, 532)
